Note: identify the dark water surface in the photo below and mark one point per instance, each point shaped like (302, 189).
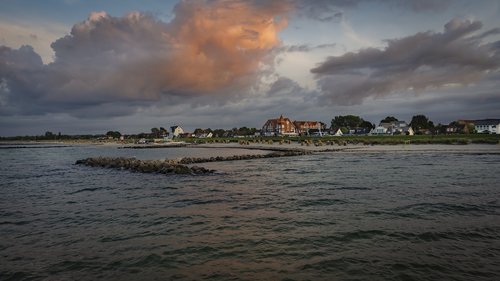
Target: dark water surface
(330, 216)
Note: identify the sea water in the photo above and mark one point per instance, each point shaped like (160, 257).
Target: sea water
(405, 215)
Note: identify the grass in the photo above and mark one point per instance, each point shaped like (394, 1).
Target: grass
(367, 140)
(381, 140)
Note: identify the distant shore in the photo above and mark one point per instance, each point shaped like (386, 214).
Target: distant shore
(356, 148)
(459, 143)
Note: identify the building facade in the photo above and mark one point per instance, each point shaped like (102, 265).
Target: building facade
(303, 127)
(393, 128)
(281, 126)
(490, 126)
(176, 131)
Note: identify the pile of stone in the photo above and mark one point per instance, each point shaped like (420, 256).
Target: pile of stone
(284, 153)
(176, 166)
(142, 166)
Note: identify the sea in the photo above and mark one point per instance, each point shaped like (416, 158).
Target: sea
(421, 214)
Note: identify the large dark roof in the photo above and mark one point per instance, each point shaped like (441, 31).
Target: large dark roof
(487, 122)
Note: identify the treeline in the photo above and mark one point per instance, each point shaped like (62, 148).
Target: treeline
(222, 133)
(420, 124)
(50, 136)
(346, 123)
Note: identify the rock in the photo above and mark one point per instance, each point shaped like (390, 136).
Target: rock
(143, 166)
(177, 166)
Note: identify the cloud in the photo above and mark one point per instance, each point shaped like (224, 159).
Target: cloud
(413, 64)
(303, 48)
(424, 5)
(210, 49)
(333, 10)
(38, 35)
(323, 10)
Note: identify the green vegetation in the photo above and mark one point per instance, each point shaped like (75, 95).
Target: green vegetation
(113, 134)
(367, 140)
(420, 123)
(462, 132)
(389, 119)
(346, 122)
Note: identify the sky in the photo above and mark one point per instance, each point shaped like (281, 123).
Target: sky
(89, 66)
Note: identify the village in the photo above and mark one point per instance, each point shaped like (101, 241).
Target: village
(283, 126)
(348, 125)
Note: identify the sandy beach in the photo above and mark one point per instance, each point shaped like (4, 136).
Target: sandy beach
(352, 148)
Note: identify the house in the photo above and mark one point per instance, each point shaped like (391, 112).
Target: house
(393, 128)
(336, 132)
(176, 131)
(281, 126)
(316, 132)
(379, 130)
(204, 135)
(460, 127)
(304, 127)
(487, 126)
(186, 135)
(407, 131)
(360, 131)
(455, 128)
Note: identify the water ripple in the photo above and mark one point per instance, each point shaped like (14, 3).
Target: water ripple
(332, 216)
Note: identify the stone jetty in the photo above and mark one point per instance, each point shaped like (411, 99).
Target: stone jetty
(142, 166)
(152, 146)
(176, 166)
(274, 154)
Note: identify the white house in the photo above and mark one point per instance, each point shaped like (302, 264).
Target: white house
(491, 126)
(337, 133)
(204, 135)
(392, 128)
(380, 130)
(176, 131)
(407, 131)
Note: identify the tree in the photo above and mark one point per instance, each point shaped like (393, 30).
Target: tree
(470, 128)
(155, 132)
(389, 119)
(219, 133)
(421, 122)
(244, 131)
(163, 132)
(113, 134)
(350, 121)
(198, 131)
(366, 124)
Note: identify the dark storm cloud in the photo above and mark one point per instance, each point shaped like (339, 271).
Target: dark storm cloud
(416, 63)
(111, 66)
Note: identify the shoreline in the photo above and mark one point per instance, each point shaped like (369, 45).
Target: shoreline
(359, 148)
(185, 165)
(276, 146)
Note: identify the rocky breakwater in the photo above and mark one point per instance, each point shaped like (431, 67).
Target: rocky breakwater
(177, 166)
(142, 166)
(274, 154)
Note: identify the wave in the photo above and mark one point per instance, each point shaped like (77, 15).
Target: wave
(88, 189)
(321, 202)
